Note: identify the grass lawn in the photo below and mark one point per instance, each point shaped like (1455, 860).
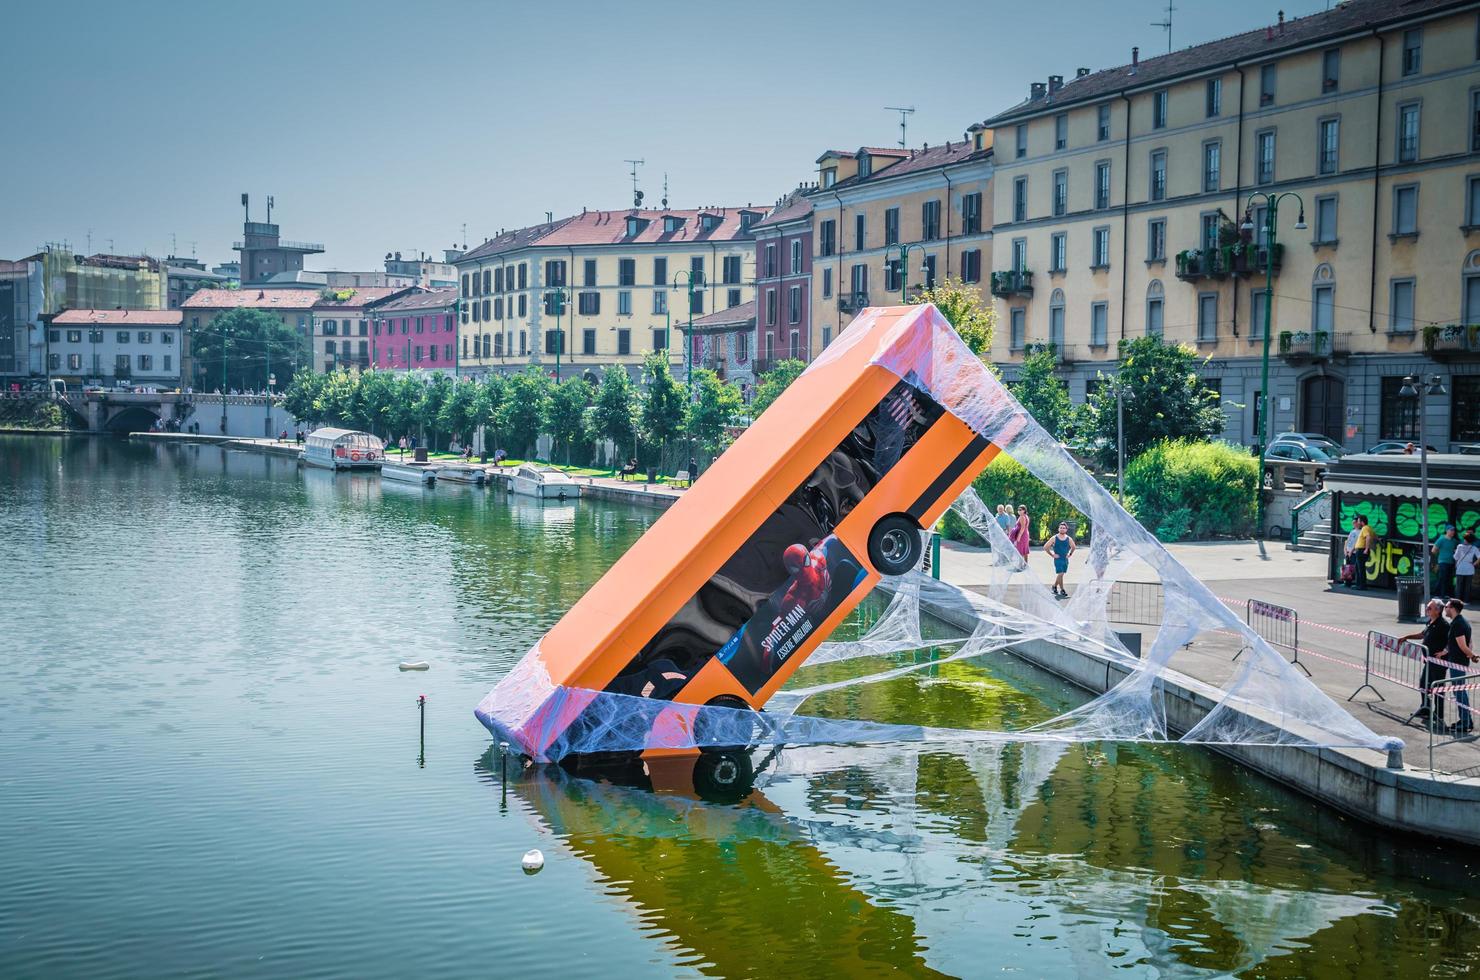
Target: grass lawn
(668, 480)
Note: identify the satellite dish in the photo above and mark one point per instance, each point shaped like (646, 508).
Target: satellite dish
(637, 199)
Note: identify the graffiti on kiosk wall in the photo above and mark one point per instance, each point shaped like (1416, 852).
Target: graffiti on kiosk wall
(1398, 525)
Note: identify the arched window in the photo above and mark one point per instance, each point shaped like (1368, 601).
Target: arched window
(1056, 319)
(1470, 298)
(1155, 309)
(1323, 300)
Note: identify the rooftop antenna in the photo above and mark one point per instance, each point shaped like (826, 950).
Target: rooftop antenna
(192, 249)
(904, 116)
(110, 246)
(247, 208)
(1166, 25)
(173, 244)
(89, 240)
(636, 194)
(665, 191)
(465, 235)
(269, 209)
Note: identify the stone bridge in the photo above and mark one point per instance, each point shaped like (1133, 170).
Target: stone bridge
(120, 411)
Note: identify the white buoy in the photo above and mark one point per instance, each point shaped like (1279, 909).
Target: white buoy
(533, 861)
(417, 665)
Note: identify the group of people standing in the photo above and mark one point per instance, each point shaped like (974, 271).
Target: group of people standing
(1059, 546)
(1449, 643)
(1454, 556)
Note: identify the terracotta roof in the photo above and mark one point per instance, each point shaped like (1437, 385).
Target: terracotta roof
(734, 316)
(251, 296)
(610, 228)
(792, 207)
(510, 241)
(920, 160)
(360, 296)
(419, 299)
(142, 318)
(1348, 18)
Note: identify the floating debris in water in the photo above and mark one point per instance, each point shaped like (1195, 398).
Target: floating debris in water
(533, 861)
(416, 665)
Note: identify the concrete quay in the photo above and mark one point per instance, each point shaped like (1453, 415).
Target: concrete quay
(1442, 802)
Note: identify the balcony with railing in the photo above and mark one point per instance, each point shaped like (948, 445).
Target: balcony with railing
(1194, 264)
(853, 302)
(1306, 346)
(1012, 282)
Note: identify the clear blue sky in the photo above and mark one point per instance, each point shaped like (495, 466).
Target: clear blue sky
(381, 127)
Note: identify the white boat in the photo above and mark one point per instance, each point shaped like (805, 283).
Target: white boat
(544, 482)
(409, 472)
(462, 473)
(343, 449)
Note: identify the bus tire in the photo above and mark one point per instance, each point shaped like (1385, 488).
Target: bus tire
(724, 777)
(894, 545)
(730, 729)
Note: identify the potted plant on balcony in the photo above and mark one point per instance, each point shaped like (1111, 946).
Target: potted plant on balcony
(1189, 262)
(1294, 342)
(1448, 337)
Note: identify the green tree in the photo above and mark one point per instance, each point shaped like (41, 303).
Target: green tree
(773, 383)
(485, 412)
(401, 416)
(717, 405)
(301, 398)
(337, 399)
(458, 415)
(565, 414)
(1040, 390)
(961, 303)
(255, 343)
(377, 392)
(662, 415)
(521, 413)
(614, 411)
(1163, 399)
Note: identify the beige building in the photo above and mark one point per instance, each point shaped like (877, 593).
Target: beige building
(614, 284)
(1133, 201)
(888, 219)
(293, 306)
(339, 325)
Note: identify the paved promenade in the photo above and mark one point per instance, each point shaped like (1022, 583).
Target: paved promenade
(1333, 629)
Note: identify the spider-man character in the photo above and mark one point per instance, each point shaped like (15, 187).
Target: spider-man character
(810, 579)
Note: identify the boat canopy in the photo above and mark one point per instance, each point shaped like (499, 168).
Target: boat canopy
(328, 439)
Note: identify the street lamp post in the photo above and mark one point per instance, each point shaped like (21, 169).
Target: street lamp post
(692, 279)
(1272, 202)
(904, 268)
(1415, 387)
(562, 296)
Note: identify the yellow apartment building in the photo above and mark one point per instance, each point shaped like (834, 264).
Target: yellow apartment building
(889, 219)
(293, 307)
(1133, 201)
(600, 288)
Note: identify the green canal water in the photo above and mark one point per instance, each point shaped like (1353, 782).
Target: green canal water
(210, 766)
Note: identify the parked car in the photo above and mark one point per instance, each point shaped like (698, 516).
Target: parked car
(1467, 449)
(1392, 447)
(1297, 464)
(1328, 445)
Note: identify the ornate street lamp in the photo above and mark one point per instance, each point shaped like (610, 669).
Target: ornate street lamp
(1415, 387)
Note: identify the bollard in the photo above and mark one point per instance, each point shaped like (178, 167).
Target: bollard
(421, 707)
(1395, 754)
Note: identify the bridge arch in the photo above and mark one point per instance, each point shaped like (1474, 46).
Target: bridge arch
(131, 418)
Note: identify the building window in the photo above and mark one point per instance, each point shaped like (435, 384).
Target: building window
(487, 282)
(1405, 210)
(696, 269)
(1017, 321)
(1159, 109)
(971, 265)
(1099, 324)
(828, 233)
(1019, 254)
(1266, 85)
(1331, 70)
(1475, 122)
(146, 336)
(555, 273)
(1056, 319)
(1102, 185)
(74, 362)
(1022, 140)
(971, 213)
(421, 321)
(121, 337)
(660, 272)
(732, 298)
(523, 302)
(1101, 256)
(624, 342)
(1472, 202)
(626, 272)
(554, 341)
(498, 279)
(75, 337)
(1326, 220)
(796, 345)
(660, 301)
(1058, 252)
(588, 341)
(1464, 409)
(1212, 166)
(731, 269)
(1398, 416)
(1156, 240)
(860, 281)
(794, 304)
(1413, 51)
(1400, 306)
(1102, 122)
(796, 256)
(624, 302)
(467, 287)
(1328, 143)
(146, 362)
(1155, 314)
(930, 272)
(1020, 199)
(770, 307)
(860, 232)
(930, 221)
(1207, 317)
(1158, 175)
(1408, 132)
(827, 283)
(1258, 312)
(1208, 239)
(166, 338)
(696, 302)
(1061, 131)
(1213, 101)
(498, 308)
(1060, 192)
(431, 352)
(1264, 157)
(770, 267)
(1323, 308)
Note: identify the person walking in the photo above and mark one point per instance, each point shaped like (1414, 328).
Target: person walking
(402, 445)
(1443, 551)
(1021, 534)
(1435, 637)
(1060, 547)
(1360, 552)
(1466, 556)
(1348, 552)
(1460, 654)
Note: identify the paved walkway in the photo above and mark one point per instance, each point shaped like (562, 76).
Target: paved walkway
(1333, 629)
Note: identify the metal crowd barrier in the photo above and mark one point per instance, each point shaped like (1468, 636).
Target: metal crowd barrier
(1279, 626)
(1141, 603)
(1464, 682)
(1398, 661)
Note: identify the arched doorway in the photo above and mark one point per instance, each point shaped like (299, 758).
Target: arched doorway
(1323, 406)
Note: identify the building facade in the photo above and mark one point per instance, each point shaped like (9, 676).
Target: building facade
(423, 270)
(293, 307)
(724, 342)
(783, 281)
(1134, 201)
(265, 254)
(339, 326)
(889, 220)
(601, 288)
(115, 347)
(415, 330)
(22, 339)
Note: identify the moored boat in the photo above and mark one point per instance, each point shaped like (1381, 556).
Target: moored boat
(463, 473)
(544, 482)
(343, 449)
(409, 472)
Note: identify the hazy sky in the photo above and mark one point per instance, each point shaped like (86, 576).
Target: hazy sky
(382, 127)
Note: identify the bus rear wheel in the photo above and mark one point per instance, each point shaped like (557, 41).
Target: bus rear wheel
(894, 545)
(725, 724)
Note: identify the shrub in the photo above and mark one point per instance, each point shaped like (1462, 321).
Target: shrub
(1006, 481)
(1184, 488)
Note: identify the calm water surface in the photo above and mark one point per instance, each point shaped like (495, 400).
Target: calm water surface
(209, 765)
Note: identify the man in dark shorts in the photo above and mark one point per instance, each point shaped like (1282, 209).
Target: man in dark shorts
(1435, 637)
(1461, 655)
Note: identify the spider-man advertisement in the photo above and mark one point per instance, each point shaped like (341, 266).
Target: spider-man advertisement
(818, 580)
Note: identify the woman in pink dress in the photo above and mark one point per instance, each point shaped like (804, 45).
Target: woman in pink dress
(1020, 533)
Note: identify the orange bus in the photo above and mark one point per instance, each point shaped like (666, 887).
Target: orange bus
(726, 595)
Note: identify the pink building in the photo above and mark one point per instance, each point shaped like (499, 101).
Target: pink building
(783, 282)
(415, 330)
